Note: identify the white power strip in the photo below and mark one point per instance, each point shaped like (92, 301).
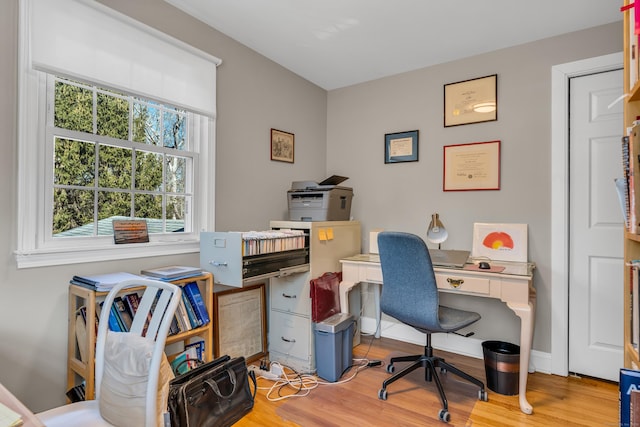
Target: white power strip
(262, 373)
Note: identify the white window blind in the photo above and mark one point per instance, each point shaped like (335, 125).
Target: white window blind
(86, 40)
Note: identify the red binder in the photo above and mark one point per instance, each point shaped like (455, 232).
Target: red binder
(325, 296)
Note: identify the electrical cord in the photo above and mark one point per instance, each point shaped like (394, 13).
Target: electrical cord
(296, 384)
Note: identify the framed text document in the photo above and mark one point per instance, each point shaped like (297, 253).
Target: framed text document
(474, 166)
(240, 322)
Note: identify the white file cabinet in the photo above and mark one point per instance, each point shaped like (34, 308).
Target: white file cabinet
(291, 338)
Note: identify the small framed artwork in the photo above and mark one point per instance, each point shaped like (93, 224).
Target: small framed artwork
(130, 231)
(282, 146)
(240, 322)
(474, 166)
(471, 101)
(401, 147)
(500, 242)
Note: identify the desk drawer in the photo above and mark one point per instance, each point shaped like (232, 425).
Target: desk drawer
(372, 274)
(463, 284)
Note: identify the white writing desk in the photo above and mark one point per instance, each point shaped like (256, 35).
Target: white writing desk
(513, 285)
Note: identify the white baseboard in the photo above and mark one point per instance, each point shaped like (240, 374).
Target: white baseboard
(472, 347)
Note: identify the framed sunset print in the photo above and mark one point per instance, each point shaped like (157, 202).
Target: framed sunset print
(500, 242)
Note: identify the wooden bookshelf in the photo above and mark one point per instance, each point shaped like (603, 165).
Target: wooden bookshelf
(79, 369)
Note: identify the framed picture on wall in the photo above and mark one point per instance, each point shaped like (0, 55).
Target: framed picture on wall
(471, 101)
(282, 145)
(401, 147)
(473, 166)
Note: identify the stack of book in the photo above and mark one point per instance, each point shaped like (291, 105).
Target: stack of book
(173, 272)
(191, 313)
(103, 282)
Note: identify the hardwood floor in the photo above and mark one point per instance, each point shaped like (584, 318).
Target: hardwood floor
(557, 401)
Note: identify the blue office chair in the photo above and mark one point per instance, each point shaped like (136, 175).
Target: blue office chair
(410, 295)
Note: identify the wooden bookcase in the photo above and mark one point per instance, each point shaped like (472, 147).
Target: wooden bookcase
(78, 370)
(631, 240)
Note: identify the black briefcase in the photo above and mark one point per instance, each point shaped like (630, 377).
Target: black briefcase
(215, 394)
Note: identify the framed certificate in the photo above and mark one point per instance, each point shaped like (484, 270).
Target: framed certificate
(401, 147)
(471, 101)
(240, 322)
(474, 166)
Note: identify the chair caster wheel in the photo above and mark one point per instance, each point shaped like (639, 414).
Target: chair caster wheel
(482, 395)
(390, 368)
(443, 370)
(444, 415)
(382, 394)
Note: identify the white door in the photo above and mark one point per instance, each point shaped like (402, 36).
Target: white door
(595, 226)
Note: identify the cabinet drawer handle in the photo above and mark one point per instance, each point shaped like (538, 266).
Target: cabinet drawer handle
(219, 263)
(287, 340)
(455, 283)
(288, 296)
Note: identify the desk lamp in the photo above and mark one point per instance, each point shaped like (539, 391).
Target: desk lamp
(436, 233)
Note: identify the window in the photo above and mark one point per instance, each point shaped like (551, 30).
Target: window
(138, 144)
(116, 156)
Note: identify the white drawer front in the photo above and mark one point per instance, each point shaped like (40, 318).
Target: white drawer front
(291, 294)
(461, 283)
(290, 334)
(372, 274)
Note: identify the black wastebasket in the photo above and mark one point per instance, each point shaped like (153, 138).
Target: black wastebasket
(502, 366)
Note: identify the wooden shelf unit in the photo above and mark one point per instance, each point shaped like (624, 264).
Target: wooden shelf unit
(79, 296)
(631, 240)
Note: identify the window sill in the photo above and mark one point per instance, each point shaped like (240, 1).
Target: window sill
(46, 258)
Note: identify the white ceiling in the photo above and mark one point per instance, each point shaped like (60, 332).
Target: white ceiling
(338, 43)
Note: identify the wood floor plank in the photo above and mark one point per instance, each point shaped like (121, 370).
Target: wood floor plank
(566, 401)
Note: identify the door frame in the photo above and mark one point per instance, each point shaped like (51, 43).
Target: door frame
(560, 75)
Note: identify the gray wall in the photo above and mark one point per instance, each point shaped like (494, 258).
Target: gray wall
(254, 95)
(402, 196)
(340, 132)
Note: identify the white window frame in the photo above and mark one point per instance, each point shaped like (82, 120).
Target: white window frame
(34, 247)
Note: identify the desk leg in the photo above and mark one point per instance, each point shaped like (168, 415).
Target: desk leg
(376, 302)
(526, 315)
(344, 289)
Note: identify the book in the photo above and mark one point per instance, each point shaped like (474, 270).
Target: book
(199, 347)
(181, 315)
(181, 364)
(174, 328)
(172, 272)
(77, 393)
(81, 334)
(125, 318)
(634, 408)
(103, 282)
(626, 178)
(635, 308)
(629, 382)
(9, 417)
(192, 291)
(191, 315)
(114, 325)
